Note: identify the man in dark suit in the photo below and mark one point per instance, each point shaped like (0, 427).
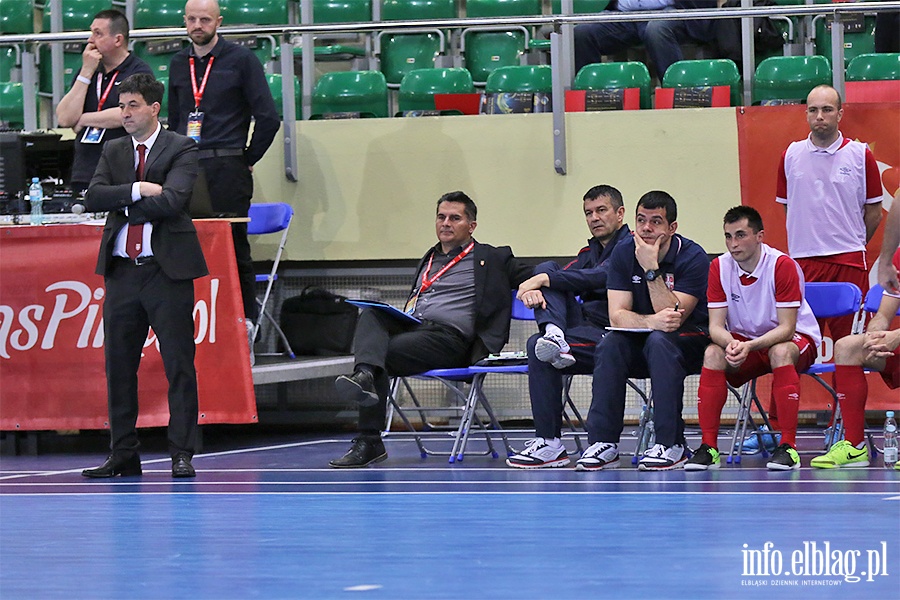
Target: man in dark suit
(462, 295)
(149, 257)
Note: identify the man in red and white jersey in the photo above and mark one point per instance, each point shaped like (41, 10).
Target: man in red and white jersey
(831, 189)
(759, 323)
(877, 350)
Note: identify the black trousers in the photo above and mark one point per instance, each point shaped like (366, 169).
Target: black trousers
(230, 185)
(139, 297)
(397, 349)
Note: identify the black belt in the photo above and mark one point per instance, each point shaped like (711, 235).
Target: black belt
(219, 152)
(140, 261)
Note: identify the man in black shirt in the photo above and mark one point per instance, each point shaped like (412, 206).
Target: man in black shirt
(91, 107)
(215, 87)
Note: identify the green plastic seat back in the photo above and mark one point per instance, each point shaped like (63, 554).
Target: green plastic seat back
(7, 62)
(351, 91)
(17, 17)
(254, 12)
(520, 78)
(151, 14)
(789, 77)
(12, 104)
(502, 8)
(419, 86)
(77, 15)
(402, 10)
(874, 67)
(615, 75)
(707, 72)
(855, 44)
(342, 11)
(274, 80)
(71, 65)
(489, 50)
(400, 54)
(582, 6)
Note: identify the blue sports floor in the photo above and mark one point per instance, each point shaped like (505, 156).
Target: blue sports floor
(266, 518)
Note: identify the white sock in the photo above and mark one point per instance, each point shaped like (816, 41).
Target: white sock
(554, 442)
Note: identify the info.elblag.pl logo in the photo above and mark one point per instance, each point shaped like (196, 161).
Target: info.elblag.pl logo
(813, 563)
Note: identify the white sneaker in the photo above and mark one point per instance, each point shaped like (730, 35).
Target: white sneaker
(554, 349)
(599, 455)
(539, 454)
(662, 458)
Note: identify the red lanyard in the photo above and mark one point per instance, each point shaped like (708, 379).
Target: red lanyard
(102, 98)
(198, 93)
(427, 282)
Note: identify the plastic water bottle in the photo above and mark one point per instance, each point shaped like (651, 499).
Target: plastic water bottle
(890, 440)
(36, 195)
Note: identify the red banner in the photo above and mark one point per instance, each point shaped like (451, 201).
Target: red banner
(51, 334)
(764, 132)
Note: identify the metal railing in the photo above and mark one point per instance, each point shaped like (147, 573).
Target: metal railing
(561, 54)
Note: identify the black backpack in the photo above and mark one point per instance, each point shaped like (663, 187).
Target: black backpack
(766, 36)
(319, 323)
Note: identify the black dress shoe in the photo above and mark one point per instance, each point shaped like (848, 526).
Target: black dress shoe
(360, 387)
(116, 464)
(366, 449)
(182, 467)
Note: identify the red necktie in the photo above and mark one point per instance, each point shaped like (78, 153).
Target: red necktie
(134, 237)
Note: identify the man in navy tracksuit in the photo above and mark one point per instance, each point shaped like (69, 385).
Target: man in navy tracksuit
(570, 308)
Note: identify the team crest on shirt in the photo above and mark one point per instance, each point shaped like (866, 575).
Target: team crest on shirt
(636, 279)
(670, 281)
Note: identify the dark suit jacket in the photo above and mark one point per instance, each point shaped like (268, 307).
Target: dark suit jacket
(497, 273)
(172, 163)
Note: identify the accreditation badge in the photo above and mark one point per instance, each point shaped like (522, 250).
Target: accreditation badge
(194, 125)
(92, 135)
(410, 307)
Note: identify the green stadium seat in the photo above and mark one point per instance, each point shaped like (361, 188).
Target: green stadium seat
(71, 65)
(855, 43)
(17, 17)
(401, 53)
(274, 81)
(487, 48)
(164, 105)
(789, 77)
(155, 14)
(703, 73)
(581, 7)
(77, 15)
(12, 105)
(520, 78)
(342, 11)
(9, 60)
(616, 75)
(254, 12)
(874, 67)
(419, 86)
(354, 93)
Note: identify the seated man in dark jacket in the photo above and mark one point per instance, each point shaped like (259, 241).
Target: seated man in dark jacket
(569, 329)
(462, 294)
(662, 38)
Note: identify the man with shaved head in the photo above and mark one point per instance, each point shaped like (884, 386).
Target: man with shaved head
(215, 88)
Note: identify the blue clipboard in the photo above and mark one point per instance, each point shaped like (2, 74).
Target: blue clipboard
(391, 310)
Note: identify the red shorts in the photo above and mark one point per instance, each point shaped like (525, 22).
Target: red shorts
(757, 362)
(837, 268)
(891, 373)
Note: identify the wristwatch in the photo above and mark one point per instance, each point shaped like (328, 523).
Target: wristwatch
(651, 275)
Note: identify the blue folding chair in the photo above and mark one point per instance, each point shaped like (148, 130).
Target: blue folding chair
(827, 300)
(268, 218)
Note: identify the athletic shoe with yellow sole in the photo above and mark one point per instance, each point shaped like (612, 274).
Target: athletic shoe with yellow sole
(843, 455)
